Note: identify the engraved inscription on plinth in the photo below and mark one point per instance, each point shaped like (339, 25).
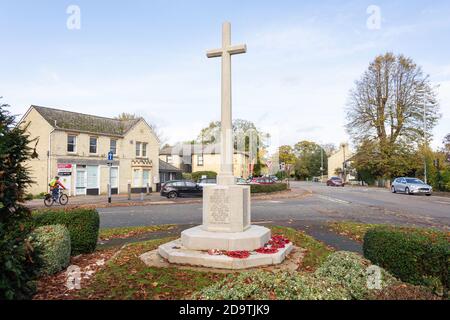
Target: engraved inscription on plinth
(220, 207)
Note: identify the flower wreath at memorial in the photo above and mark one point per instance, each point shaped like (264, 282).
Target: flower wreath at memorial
(276, 243)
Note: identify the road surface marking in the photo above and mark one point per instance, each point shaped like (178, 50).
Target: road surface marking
(334, 199)
(443, 202)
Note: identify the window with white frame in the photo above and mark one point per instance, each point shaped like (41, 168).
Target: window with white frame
(144, 150)
(71, 143)
(145, 177)
(93, 145)
(138, 149)
(200, 160)
(92, 177)
(137, 178)
(113, 146)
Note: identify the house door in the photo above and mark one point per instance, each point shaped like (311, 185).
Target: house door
(81, 183)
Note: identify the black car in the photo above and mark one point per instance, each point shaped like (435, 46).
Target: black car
(175, 189)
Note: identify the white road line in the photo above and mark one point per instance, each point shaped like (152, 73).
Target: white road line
(334, 199)
(442, 202)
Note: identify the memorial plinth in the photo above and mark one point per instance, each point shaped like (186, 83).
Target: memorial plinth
(226, 207)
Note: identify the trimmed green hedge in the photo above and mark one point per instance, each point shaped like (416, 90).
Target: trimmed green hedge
(52, 244)
(268, 188)
(83, 225)
(198, 175)
(417, 256)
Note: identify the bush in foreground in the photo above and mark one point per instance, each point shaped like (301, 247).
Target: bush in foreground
(83, 226)
(416, 256)
(343, 276)
(351, 271)
(263, 285)
(268, 188)
(17, 259)
(52, 243)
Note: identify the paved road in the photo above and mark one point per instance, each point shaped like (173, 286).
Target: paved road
(324, 204)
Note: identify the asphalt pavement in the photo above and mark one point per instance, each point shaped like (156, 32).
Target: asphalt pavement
(359, 204)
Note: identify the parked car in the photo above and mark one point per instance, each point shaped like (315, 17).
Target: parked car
(207, 182)
(175, 189)
(335, 182)
(262, 181)
(411, 186)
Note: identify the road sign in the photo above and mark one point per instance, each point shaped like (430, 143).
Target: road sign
(110, 156)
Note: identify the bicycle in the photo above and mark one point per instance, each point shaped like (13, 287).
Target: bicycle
(49, 200)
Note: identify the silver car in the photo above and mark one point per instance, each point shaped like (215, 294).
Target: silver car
(411, 186)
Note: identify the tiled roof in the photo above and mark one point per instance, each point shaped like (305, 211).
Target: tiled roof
(67, 120)
(167, 167)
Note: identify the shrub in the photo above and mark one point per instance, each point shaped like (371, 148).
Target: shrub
(28, 197)
(263, 285)
(19, 264)
(199, 174)
(351, 271)
(83, 226)
(52, 243)
(187, 176)
(417, 256)
(268, 188)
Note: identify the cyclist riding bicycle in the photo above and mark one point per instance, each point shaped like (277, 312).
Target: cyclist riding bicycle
(55, 184)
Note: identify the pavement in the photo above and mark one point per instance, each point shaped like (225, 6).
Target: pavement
(314, 204)
(122, 200)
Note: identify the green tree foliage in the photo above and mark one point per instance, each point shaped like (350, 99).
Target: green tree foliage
(309, 160)
(17, 259)
(386, 115)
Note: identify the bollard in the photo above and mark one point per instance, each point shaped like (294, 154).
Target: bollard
(142, 196)
(148, 188)
(129, 191)
(109, 193)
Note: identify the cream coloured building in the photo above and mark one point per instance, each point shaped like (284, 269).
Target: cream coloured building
(195, 158)
(75, 146)
(337, 160)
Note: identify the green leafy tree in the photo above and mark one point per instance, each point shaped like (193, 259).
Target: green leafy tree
(309, 160)
(17, 260)
(386, 114)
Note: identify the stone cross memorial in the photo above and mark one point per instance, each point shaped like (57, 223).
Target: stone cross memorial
(226, 207)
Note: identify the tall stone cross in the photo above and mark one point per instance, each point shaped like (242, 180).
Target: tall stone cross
(226, 176)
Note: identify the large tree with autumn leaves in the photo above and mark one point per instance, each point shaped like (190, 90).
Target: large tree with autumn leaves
(391, 113)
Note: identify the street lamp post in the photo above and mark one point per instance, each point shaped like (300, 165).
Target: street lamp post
(425, 143)
(321, 163)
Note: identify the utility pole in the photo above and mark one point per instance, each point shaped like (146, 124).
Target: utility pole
(110, 163)
(321, 164)
(425, 143)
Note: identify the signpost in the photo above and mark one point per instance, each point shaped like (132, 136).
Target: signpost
(110, 163)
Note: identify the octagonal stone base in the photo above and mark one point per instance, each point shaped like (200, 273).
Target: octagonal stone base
(251, 239)
(176, 253)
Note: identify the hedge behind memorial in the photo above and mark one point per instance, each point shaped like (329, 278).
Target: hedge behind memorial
(417, 256)
(83, 226)
(268, 188)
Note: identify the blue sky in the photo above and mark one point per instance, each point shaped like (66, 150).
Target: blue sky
(148, 57)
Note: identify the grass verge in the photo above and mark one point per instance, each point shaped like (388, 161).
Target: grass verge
(315, 251)
(126, 277)
(128, 232)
